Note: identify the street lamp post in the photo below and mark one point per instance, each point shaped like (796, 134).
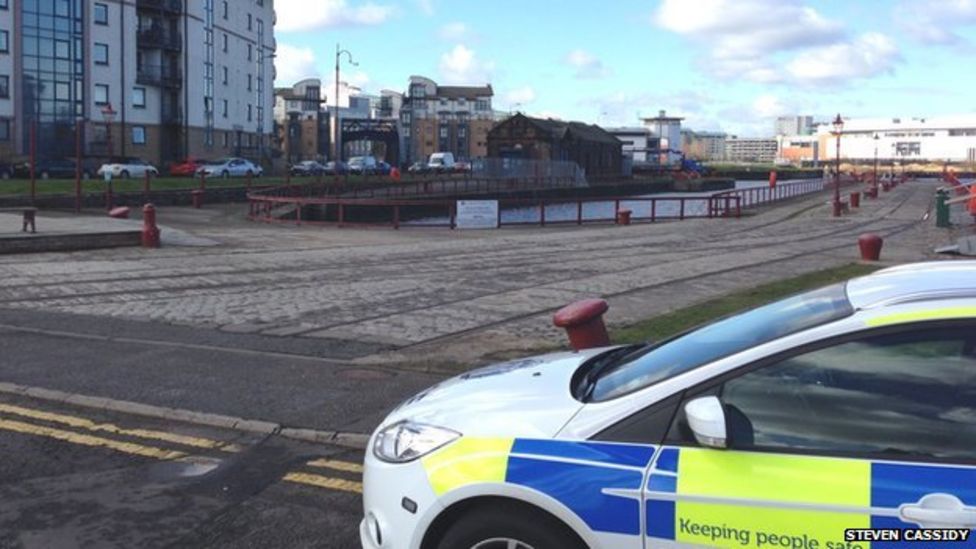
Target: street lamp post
(336, 131)
(838, 129)
(876, 139)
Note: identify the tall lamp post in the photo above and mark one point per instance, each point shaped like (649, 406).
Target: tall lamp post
(877, 138)
(336, 130)
(838, 129)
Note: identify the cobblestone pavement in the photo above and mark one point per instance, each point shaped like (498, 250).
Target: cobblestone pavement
(433, 295)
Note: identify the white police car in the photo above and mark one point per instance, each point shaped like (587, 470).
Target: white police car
(840, 418)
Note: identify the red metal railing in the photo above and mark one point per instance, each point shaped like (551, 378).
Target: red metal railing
(755, 196)
(333, 211)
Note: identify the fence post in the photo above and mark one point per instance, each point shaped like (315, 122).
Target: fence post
(203, 181)
(146, 186)
(681, 216)
(77, 165)
(542, 214)
(396, 216)
(616, 211)
(342, 213)
(248, 183)
(579, 212)
(653, 210)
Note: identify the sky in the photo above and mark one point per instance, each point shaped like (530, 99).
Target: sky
(725, 65)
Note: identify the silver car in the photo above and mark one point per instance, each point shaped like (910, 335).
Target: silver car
(230, 167)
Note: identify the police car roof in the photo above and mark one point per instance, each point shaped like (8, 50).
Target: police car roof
(915, 282)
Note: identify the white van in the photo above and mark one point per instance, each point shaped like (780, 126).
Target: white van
(441, 162)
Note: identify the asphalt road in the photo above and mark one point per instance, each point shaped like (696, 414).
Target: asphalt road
(72, 477)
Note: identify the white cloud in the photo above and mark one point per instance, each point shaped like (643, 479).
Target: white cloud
(453, 31)
(769, 106)
(522, 96)
(461, 65)
(301, 15)
(869, 55)
(426, 6)
(293, 64)
(772, 41)
(586, 64)
(935, 21)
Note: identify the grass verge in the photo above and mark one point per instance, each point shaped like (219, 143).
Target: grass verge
(680, 320)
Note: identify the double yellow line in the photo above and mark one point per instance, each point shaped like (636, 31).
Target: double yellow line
(154, 452)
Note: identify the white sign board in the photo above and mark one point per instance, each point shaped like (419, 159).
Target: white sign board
(477, 214)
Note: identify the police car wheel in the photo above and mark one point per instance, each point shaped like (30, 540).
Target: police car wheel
(516, 528)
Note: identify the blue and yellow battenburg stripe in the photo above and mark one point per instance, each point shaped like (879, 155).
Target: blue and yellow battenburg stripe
(704, 497)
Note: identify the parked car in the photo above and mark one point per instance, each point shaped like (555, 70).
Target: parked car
(230, 167)
(127, 167)
(53, 169)
(382, 168)
(852, 402)
(418, 168)
(186, 168)
(307, 168)
(462, 166)
(335, 168)
(441, 162)
(362, 165)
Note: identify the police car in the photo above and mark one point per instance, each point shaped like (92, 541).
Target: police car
(838, 418)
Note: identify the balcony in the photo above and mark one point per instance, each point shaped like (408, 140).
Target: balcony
(157, 38)
(170, 115)
(169, 6)
(164, 76)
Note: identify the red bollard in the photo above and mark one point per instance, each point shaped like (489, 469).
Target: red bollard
(150, 232)
(196, 196)
(855, 200)
(772, 179)
(583, 322)
(623, 217)
(870, 245)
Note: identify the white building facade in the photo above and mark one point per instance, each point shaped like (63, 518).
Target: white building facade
(638, 144)
(157, 79)
(935, 139)
(791, 126)
(750, 149)
(668, 130)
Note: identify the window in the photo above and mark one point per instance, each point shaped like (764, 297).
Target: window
(260, 114)
(250, 108)
(100, 54)
(482, 105)
(250, 52)
(138, 135)
(897, 395)
(101, 94)
(226, 10)
(4, 41)
(139, 98)
(101, 14)
(224, 75)
(250, 22)
(4, 86)
(647, 365)
(224, 139)
(225, 108)
(4, 4)
(249, 82)
(224, 44)
(4, 130)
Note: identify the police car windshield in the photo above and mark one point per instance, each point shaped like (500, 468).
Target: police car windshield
(650, 365)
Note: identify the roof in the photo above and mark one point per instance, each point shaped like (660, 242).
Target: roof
(561, 129)
(915, 282)
(467, 92)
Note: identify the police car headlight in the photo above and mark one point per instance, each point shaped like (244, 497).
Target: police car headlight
(406, 441)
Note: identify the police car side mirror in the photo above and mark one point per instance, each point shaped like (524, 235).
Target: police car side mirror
(706, 417)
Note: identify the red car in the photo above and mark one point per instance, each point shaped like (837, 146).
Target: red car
(187, 168)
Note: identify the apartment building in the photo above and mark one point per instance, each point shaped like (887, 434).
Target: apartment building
(902, 139)
(157, 79)
(453, 119)
(750, 149)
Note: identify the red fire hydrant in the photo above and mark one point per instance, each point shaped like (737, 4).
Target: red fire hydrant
(583, 322)
(196, 195)
(870, 245)
(855, 200)
(150, 232)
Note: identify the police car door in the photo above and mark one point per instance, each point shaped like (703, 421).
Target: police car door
(876, 430)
